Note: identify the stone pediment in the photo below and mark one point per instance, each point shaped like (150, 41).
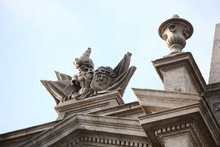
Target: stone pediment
(194, 123)
(81, 128)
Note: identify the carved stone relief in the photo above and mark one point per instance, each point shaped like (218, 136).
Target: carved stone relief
(89, 82)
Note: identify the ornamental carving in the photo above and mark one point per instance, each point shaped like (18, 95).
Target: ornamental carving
(175, 32)
(89, 82)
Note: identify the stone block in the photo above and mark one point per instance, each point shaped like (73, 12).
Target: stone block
(88, 105)
(180, 141)
(180, 73)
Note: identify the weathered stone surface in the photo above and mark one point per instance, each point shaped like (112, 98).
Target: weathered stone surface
(19, 137)
(180, 73)
(89, 105)
(68, 132)
(179, 140)
(129, 110)
(212, 96)
(163, 100)
(195, 120)
(178, 80)
(215, 63)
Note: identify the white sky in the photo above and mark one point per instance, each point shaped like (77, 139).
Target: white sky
(40, 36)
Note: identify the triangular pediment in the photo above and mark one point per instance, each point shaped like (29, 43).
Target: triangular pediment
(75, 127)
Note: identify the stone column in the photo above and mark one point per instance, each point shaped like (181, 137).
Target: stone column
(214, 76)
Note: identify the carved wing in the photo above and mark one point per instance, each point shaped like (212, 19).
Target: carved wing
(61, 76)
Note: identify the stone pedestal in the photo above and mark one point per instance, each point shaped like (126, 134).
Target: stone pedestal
(180, 73)
(88, 105)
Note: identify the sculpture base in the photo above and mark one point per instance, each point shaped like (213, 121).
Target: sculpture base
(88, 105)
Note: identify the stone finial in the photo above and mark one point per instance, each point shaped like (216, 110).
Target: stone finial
(175, 31)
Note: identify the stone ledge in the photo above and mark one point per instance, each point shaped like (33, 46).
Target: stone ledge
(196, 115)
(132, 109)
(21, 136)
(162, 100)
(113, 125)
(213, 90)
(89, 105)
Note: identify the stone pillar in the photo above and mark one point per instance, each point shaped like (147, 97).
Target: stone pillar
(214, 76)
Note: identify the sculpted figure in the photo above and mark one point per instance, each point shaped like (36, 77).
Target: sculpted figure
(89, 82)
(83, 80)
(102, 79)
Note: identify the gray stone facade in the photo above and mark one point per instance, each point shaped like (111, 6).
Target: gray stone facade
(185, 114)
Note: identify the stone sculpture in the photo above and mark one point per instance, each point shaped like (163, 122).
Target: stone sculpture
(89, 82)
(175, 31)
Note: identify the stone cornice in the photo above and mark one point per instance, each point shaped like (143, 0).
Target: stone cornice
(76, 122)
(164, 99)
(102, 139)
(212, 90)
(27, 131)
(132, 109)
(197, 117)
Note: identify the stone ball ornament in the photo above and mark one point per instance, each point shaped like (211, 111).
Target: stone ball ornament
(175, 31)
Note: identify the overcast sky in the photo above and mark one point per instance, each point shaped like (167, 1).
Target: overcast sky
(38, 37)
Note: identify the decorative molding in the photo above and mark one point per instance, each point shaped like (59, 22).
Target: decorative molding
(107, 141)
(173, 128)
(179, 129)
(112, 125)
(195, 119)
